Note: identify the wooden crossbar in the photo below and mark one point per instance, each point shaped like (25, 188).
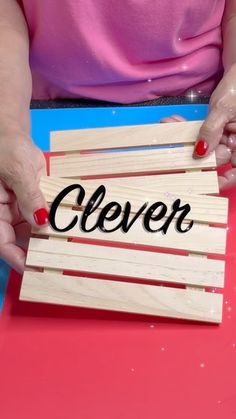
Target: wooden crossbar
(150, 257)
(129, 263)
(129, 136)
(190, 183)
(153, 161)
(208, 209)
(120, 296)
(200, 239)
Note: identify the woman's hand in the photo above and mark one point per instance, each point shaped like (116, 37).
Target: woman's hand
(218, 132)
(22, 204)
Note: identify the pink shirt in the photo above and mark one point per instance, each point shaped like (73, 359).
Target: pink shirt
(124, 50)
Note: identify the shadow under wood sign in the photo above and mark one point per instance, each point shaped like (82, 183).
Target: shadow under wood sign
(137, 271)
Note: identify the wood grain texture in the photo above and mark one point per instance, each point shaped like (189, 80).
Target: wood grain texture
(121, 296)
(114, 163)
(190, 183)
(125, 136)
(125, 262)
(200, 239)
(207, 209)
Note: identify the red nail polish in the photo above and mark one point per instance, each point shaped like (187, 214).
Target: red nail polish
(200, 148)
(41, 216)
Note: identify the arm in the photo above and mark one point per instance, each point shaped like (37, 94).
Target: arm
(15, 75)
(229, 35)
(218, 132)
(21, 163)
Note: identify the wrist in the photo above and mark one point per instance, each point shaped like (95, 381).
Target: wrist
(231, 69)
(12, 129)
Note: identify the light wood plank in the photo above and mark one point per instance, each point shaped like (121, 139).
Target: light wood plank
(208, 209)
(125, 136)
(200, 239)
(190, 183)
(121, 296)
(125, 262)
(145, 161)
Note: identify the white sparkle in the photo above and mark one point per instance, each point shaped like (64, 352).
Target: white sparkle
(192, 96)
(234, 345)
(132, 369)
(202, 365)
(179, 39)
(219, 401)
(229, 308)
(152, 326)
(162, 349)
(232, 90)
(149, 80)
(184, 67)
(113, 112)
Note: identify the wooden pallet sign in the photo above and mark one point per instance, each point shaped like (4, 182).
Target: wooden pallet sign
(131, 257)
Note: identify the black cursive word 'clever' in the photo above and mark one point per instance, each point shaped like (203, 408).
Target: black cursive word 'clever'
(111, 211)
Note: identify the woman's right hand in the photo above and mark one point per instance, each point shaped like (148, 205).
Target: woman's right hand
(22, 203)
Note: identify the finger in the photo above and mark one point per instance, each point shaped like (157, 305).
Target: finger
(13, 256)
(173, 118)
(6, 196)
(231, 127)
(9, 252)
(31, 201)
(210, 133)
(167, 120)
(233, 159)
(229, 141)
(223, 154)
(179, 118)
(22, 232)
(9, 213)
(228, 180)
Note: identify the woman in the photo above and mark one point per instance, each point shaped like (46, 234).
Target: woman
(122, 51)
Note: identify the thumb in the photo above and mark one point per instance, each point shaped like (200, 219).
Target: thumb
(30, 199)
(210, 133)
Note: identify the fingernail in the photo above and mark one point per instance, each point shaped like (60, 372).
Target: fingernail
(200, 148)
(41, 216)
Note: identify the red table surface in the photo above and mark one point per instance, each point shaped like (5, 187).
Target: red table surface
(61, 362)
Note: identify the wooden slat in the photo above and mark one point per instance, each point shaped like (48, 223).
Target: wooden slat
(208, 209)
(125, 262)
(200, 239)
(121, 296)
(160, 160)
(125, 136)
(191, 183)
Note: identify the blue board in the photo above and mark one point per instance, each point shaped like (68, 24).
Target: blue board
(46, 120)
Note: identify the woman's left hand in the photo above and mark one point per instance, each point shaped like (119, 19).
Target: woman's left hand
(218, 131)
